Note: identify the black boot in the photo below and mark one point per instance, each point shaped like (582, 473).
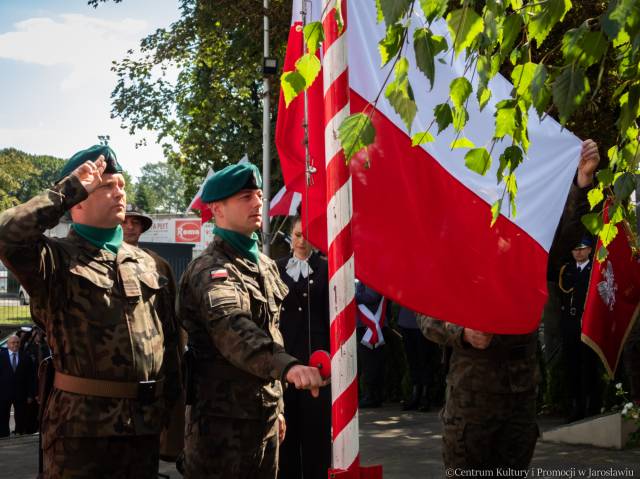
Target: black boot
(426, 401)
(413, 403)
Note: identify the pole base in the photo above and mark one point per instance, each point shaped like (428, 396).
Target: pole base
(363, 472)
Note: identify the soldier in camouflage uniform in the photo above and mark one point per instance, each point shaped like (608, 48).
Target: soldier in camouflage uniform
(98, 300)
(229, 303)
(489, 418)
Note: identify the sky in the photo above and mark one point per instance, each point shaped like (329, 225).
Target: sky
(55, 78)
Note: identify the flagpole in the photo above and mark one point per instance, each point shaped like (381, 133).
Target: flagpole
(266, 141)
(342, 306)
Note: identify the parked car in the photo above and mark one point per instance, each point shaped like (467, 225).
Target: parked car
(23, 295)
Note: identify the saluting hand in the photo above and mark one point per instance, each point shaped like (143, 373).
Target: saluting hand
(477, 339)
(589, 160)
(306, 377)
(90, 173)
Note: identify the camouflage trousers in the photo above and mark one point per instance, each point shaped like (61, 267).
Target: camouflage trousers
(117, 457)
(220, 447)
(489, 431)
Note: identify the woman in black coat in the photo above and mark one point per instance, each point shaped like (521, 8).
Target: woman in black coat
(304, 324)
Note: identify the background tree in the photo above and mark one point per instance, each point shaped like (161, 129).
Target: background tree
(160, 189)
(15, 168)
(211, 113)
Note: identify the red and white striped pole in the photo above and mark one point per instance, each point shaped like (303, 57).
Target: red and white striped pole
(344, 378)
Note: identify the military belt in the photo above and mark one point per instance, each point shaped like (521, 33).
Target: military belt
(513, 353)
(144, 391)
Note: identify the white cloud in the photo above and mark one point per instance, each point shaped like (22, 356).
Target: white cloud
(87, 45)
(82, 48)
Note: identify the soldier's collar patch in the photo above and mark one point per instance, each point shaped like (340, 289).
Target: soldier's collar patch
(219, 274)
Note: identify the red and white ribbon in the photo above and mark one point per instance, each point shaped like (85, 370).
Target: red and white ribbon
(374, 322)
(344, 383)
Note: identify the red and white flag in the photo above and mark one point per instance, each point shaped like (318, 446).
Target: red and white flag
(613, 301)
(420, 224)
(285, 203)
(374, 322)
(198, 204)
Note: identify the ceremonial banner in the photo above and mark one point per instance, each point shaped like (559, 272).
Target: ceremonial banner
(420, 226)
(612, 303)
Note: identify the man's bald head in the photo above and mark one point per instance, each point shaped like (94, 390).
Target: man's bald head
(13, 343)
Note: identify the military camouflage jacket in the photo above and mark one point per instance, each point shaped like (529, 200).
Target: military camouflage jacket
(230, 308)
(509, 363)
(106, 317)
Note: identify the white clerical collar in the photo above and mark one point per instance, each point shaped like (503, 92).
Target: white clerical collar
(297, 267)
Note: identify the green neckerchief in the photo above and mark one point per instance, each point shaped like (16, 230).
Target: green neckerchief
(104, 238)
(247, 246)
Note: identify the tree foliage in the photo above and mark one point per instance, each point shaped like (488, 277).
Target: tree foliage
(15, 169)
(160, 189)
(578, 62)
(198, 83)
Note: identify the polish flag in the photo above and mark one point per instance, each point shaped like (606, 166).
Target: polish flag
(198, 204)
(285, 203)
(420, 226)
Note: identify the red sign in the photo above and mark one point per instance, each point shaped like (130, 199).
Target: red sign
(188, 231)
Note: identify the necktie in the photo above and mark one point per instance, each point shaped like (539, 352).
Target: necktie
(14, 362)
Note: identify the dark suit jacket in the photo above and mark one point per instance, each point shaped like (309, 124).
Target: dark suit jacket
(18, 385)
(294, 323)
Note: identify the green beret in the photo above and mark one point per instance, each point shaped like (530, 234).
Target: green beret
(230, 180)
(91, 154)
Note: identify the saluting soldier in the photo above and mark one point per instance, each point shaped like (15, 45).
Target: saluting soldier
(229, 303)
(113, 346)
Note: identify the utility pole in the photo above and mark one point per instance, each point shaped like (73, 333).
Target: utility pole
(266, 138)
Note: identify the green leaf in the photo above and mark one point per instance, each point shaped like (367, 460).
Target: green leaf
(605, 177)
(516, 4)
(505, 122)
(390, 45)
(313, 36)
(444, 116)
(422, 138)
(616, 17)
(545, 16)
(511, 184)
(309, 67)
(393, 10)
(478, 160)
(511, 29)
(426, 47)
(433, 8)
(464, 26)
(629, 107)
(459, 91)
(624, 185)
(593, 222)
(461, 143)
(510, 159)
(583, 46)
(292, 84)
(484, 94)
(400, 94)
(602, 254)
(460, 118)
(495, 211)
(608, 233)
(595, 196)
(616, 213)
(522, 76)
(355, 133)
(540, 91)
(569, 90)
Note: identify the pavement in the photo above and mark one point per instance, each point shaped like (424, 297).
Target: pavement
(408, 445)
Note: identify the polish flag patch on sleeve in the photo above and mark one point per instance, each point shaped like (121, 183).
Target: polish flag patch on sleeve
(219, 274)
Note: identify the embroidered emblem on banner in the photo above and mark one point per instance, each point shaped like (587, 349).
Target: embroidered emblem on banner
(608, 287)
